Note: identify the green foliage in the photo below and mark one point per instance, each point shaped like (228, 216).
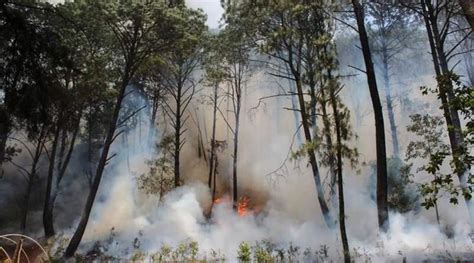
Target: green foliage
(244, 253)
(159, 180)
(186, 250)
(264, 251)
(402, 191)
(163, 255)
(138, 256)
(431, 148)
(436, 154)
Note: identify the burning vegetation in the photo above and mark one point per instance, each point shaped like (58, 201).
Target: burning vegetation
(244, 206)
(296, 131)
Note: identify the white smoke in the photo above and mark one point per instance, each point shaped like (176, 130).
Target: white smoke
(124, 217)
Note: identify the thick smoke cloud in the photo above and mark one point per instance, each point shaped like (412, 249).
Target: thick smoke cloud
(124, 218)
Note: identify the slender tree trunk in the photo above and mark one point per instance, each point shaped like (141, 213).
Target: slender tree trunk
(443, 62)
(329, 145)
(469, 64)
(442, 91)
(388, 97)
(382, 184)
(76, 238)
(294, 105)
(236, 152)
(213, 136)
(446, 94)
(214, 182)
(26, 202)
(48, 206)
(313, 103)
(154, 110)
(437, 212)
(32, 177)
(468, 10)
(62, 149)
(50, 200)
(90, 151)
(214, 185)
(177, 138)
(4, 130)
(312, 157)
(340, 182)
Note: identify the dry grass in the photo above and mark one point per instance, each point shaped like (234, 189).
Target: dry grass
(16, 248)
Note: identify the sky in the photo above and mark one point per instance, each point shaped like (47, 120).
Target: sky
(212, 8)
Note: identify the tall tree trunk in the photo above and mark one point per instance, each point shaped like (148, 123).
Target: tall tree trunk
(213, 137)
(26, 202)
(340, 182)
(32, 176)
(76, 238)
(177, 137)
(48, 212)
(382, 184)
(443, 62)
(312, 157)
(446, 94)
(329, 145)
(313, 103)
(294, 105)
(236, 152)
(154, 110)
(442, 91)
(48, 206)
(388, 97)
(62, 149)
(4, 130)
(468, 10)
(90, 151)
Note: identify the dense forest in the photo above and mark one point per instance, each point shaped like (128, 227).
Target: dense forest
(295, 131)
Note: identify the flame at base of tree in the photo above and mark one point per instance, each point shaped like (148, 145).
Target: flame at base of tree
(244, 205)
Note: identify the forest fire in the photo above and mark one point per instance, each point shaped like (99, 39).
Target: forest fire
(244, 207)
(212, 131)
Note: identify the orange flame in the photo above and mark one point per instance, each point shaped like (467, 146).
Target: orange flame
(243, 206)
(217, 201)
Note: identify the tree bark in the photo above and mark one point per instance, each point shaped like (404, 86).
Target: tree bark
(312, 157)
(446, 94)
(468, 10)
(382, 184)
(177, 137)
(52, 193)
(76, 238)
(340, 181)
(443, 63)
(26, 202)
(294, 105)
(213, 137)
(330, 146)
(4, 130)
(388, 97)
(32, 176)
(236, 152)
(154, 110)
(48, 206)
